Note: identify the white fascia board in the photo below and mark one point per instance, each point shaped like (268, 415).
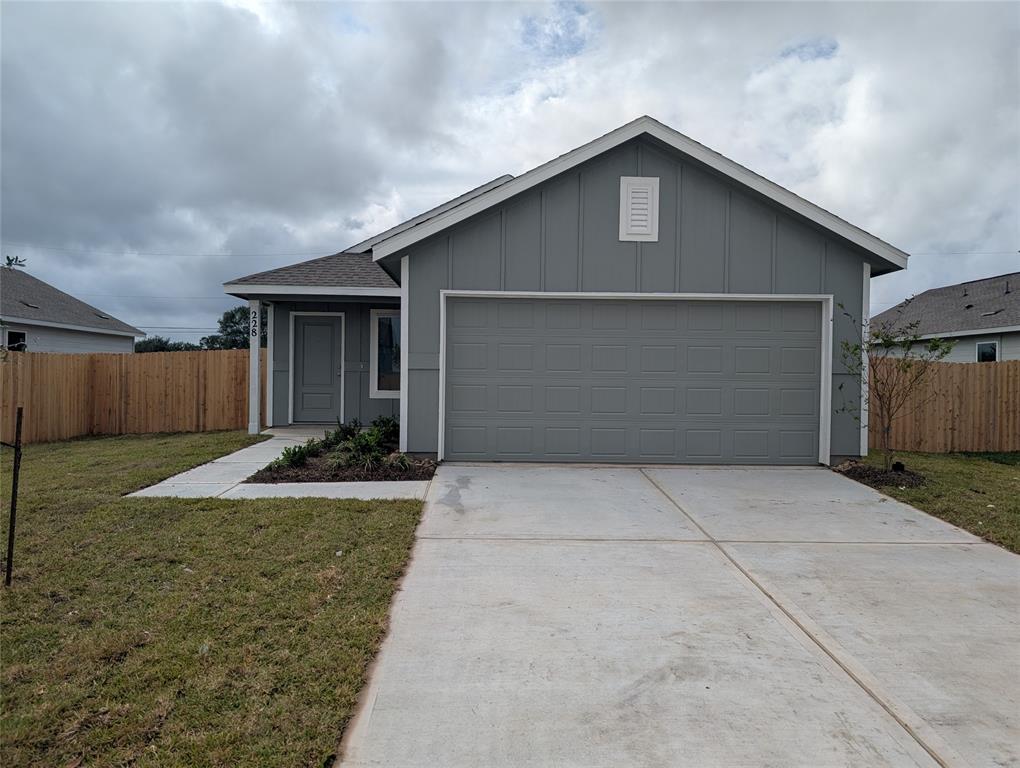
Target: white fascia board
(237, 289)
(69, 326)
(668, 136)
(975, 332)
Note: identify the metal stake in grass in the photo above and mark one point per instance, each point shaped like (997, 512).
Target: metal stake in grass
(14, 496)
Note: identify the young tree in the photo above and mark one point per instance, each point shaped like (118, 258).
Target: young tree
(233, 332)
(890, 361)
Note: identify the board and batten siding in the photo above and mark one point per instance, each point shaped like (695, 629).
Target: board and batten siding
(563, 235)
(357, 329)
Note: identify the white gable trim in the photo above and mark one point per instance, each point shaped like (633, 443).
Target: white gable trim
(678, 141)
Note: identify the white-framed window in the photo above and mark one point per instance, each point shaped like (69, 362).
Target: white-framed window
(639, 208)
(986, 351)
(16, 341)
(384, 367)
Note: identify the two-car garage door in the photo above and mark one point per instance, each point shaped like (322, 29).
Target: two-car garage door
(632, 380)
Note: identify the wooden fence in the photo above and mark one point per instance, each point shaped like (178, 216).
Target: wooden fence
(67, 396)
(961, 407)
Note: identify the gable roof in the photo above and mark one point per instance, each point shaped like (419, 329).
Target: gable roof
(964, 309)
(894, 257)
(28, 299)
(340, 270)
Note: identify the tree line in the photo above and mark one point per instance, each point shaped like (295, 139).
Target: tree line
(232, 334)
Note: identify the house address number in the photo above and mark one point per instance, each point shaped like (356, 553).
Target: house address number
(254, 323)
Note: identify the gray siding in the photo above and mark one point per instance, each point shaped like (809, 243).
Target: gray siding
(965, 348)
(45, 339)
(357, 402)
(714, 237)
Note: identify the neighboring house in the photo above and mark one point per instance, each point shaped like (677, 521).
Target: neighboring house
(638, 299)
(981, 317)
(36, 317)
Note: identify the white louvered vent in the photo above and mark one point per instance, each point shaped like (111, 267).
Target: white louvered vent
(639, 208)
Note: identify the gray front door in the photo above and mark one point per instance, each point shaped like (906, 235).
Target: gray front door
(318, 367)
(707, 382)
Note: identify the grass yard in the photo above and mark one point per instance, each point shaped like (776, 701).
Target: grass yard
(185, 632)
(979, 492)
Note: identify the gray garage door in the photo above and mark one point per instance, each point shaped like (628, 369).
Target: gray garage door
(730, 382)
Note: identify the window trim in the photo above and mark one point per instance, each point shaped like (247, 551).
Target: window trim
(373, 356)
(977, 356)
(7, 337)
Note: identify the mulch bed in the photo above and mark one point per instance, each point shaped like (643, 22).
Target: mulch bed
(877, 477)
(318, 470)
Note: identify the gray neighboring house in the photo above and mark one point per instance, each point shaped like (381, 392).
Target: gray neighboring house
(981, 317)
(36, 317)
(638, 299)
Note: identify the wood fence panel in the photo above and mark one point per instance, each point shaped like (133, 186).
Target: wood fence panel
(69, 395)
(959, 407)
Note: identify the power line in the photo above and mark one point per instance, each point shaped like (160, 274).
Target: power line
(134, 296)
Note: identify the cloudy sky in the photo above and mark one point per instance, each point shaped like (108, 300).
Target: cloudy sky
(152, 151)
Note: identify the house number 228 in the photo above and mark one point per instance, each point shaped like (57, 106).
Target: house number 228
(254, 323)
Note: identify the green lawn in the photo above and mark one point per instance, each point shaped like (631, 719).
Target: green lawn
(979, 492)
(157, 632)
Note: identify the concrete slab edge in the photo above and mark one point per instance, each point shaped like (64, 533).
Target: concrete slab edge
(365, 703)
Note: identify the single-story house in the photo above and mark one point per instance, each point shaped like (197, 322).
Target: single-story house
(36, 317)
(980, 317)
(638, 299)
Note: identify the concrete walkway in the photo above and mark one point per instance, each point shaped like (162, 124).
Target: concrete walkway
(561, 616)
(224, 477)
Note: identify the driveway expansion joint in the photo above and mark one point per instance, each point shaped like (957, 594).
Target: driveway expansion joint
(843, 660)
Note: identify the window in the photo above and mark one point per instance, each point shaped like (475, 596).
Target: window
(384, 369)
(639, 208)
(17, 341)
(987, 351)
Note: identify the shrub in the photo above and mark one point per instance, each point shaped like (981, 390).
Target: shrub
(296, 455)
(399, 461)
(388, 428)
(363, 449)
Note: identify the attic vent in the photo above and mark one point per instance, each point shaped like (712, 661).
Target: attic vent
(639, 208)
(29, 304)
(969, 306)
(989, 314)
(101, 315)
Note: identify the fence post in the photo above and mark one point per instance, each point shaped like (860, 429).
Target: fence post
(14, 498)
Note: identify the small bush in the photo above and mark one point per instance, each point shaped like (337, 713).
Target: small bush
(296, 455)
(342, 433)
(388, 428)
(399, 461)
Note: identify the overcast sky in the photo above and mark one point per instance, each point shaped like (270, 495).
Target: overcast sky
(140, 139)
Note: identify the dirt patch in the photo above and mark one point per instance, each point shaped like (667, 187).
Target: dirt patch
(877, 477)
(319, 470)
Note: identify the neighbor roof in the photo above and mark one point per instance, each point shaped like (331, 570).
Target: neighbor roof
(28, 299)
(353, 267)
(341, 270)
(961, 309)
(892, 256)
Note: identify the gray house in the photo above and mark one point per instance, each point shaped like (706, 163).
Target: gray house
(981, 317)
(638, 299)
(36, 317)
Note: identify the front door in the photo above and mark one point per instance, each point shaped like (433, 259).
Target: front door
(318, 368)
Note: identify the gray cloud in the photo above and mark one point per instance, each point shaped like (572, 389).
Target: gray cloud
(250, 128)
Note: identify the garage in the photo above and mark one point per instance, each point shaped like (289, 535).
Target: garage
(651, 379)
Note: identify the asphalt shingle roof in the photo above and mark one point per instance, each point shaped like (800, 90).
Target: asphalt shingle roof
(346, 270)
(29, 298)
(990, 303)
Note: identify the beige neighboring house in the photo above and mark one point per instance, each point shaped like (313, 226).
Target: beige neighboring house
(36, 317)
(982, 317)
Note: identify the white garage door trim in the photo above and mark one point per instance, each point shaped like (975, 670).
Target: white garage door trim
(825, 385)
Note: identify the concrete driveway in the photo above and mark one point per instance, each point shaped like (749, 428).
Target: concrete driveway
(571, 616)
